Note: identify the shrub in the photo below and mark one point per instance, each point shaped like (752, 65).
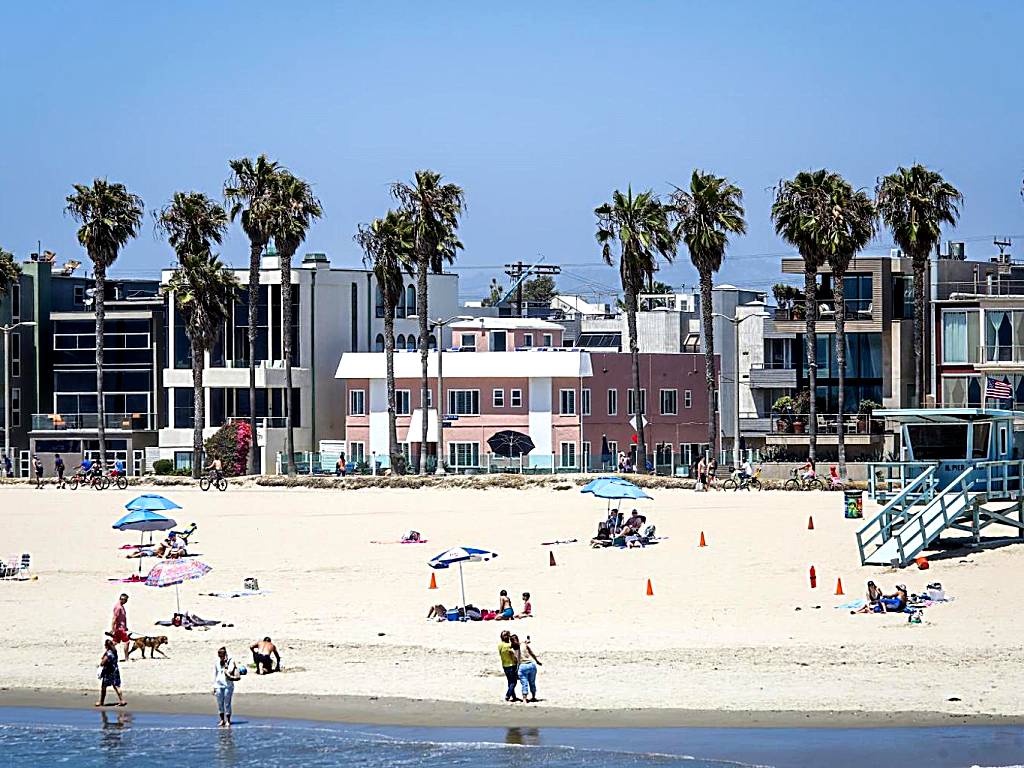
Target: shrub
(163, 467)
(231, 445)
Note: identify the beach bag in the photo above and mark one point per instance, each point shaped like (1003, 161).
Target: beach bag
(649, 532)
(177, 620)
(936, 592)
(473, 613)
(251, 584)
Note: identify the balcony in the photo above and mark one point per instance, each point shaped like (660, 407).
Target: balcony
(773, 375)
(998, 357)
(117, 422)
(856, 309)
(857, 429)
(752, 425)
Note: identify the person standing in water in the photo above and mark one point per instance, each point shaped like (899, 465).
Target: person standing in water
(225, 675)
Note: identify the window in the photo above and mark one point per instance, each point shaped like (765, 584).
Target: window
(902, 297)
(378, 344)
(410, 343)
(631, 405)
(357, 452)
(567, 453)
(15, 407)
(613, 402)
(182, 460)
(960, 334)
(527, 339)
(467, 341)
(498, 398)
(15, 354)
(515, 397)
(430, 397)
(410, 300)
(464, 402)
(402, 402)
(547, 339)
(585, 402)
(432, 343)
(613, 449)
(79, 295)
(464, 455)
(15, 301)
(663, 454)
(1003, 441)
(669, 402)
(354, 319)
(687, 399)
(1003, 332)
(857, 294)
(357, 402)
(498, 341)
(400, 341)
(567, 399)
(932, 442)
(379, 311)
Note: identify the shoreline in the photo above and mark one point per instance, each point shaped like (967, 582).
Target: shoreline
(394, 711)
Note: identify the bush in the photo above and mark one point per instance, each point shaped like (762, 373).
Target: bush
(231, 444)
(163, 467)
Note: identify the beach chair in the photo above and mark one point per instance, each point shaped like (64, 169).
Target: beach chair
(16, 567)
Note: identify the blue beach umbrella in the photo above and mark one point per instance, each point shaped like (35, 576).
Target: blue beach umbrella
(144, 520)
(460, 555)
(151, 501)
(599, 482)
(619, 491)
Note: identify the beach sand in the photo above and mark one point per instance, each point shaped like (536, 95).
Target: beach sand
(720, 642)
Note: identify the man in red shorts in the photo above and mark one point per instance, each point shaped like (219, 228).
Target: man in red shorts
(119, 624)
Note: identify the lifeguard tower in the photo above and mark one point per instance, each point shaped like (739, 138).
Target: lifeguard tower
(962, 471)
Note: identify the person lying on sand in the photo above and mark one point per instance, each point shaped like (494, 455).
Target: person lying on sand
(170, 548)
(437, 612)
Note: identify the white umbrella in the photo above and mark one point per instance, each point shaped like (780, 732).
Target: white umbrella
(460, 555)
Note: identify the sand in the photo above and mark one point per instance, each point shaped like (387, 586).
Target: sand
(720, 635)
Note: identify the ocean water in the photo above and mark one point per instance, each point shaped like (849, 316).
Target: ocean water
(112, 738)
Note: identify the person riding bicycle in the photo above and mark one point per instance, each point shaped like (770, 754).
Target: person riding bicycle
(119, 468)
(216, 468)
(746, 471)
(807, 471)
(88, 468)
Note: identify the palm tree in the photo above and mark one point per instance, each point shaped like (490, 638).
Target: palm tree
(641, 227)
(110, 216)
(248, 192)
(797, 211)
(914, 204)
(203, 288)
(295, 208)
(9, 271)
(708, 212)
(433, 210)
(848, 228)
(389, 247)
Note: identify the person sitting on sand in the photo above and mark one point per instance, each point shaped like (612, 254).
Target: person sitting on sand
(170, 548)
(894, 603)
(438, 612)
(874, 597)
(261, 653)
(527, 611)
(505, 611)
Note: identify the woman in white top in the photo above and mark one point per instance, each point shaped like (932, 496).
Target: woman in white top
(225, 674)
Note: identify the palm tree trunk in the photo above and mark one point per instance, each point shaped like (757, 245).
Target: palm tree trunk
(100, 275)
(839, 300)
(389, 351)
(638, 407)
(709, 356)
(920, 261)
(811, 343)
(198, 410)
(421, 312)
(286, 254)
(255, 253)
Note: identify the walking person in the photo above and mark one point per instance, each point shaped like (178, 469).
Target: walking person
(58, 468)
(225, 674)
(528, 663)
(8, 471)
(109, 674)
(712, 471)
(509, 664)
(702, 475)
(119, 624)
(37, 467)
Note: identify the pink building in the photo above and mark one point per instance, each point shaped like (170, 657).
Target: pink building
(513, 374)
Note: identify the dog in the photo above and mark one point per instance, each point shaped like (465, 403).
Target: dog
(142, 642)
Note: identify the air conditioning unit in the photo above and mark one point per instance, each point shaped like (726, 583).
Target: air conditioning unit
(956, 250)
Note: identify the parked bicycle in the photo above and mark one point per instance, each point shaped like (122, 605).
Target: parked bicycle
(741, 482)
(798, 483)
(213, 479)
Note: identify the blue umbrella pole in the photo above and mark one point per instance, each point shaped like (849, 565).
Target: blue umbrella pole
(462, 584)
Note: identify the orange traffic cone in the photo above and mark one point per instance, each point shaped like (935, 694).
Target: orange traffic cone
(702, 542)
(650, 589)
(810, 523)
(551, 559)
(433, 582)
(839, 587)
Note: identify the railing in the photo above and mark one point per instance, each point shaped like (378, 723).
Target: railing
(886, 477)
(1002, 353)
(856, 309)
(774, 365)
(114, 421)
(1000, 479)
(959, 489)
(827, 423)
(920, 487)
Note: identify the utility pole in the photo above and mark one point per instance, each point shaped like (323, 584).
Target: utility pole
(517, 273)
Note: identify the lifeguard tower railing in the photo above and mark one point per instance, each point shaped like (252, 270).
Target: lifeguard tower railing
(917, 510)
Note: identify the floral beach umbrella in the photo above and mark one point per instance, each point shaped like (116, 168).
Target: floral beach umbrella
(171, 573)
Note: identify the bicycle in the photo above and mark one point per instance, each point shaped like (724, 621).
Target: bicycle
(797, 483)
(744, 483)
(115, 478)
(213, 479)
(91, 478)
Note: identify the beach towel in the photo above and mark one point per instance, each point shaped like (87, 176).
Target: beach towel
(189, 621)
(853, 605)
(402, 541)
(240, 593)
(558, 541)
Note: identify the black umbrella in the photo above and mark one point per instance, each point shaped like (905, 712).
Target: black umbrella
(510, 443)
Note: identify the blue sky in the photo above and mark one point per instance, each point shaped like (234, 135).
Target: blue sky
(538, 110)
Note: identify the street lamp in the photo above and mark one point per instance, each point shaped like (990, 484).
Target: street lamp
(7, 380)
(736, 323)
(432, 325)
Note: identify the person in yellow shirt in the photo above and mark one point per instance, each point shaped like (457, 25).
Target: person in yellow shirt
(510, 665)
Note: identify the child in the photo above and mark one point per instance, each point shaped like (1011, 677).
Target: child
(527, 611)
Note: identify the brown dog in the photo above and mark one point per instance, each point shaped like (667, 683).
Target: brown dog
(141, 643)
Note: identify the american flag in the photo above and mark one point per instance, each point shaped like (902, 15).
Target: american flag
(1001, 390)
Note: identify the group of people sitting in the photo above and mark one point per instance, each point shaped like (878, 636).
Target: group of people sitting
(504, 612)
(879, 602)
(170, 548)
(616, 531)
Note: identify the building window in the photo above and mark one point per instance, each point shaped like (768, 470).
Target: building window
(357, 452)
(467, 341)
(613, 402)
(498, 398)
(527, 339)
(669, 402)
(567, 454)
(463, 455)
(410, 343)
(354, 319)
(432, 343)
(961, 391)
(15, 301)
(430, 397)
(515, 397)
(182, 460)
(464, 402)
(567, 400)
(15, 407)
(499, 341)
(547, 340)
(15, 354)
(961, 336)
(379, 308)
(687, 399)
(631, 405)
(663, 454)
(410, 300)
(357, 402)
(613, 451)
(378, 344)
(903, 297)
(402, 402)
(400, 341)
(79, 295)
(585, 401)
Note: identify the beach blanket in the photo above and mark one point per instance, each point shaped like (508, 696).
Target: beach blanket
(240, 593)
(188, 621)
(402, 541)
(558, 541)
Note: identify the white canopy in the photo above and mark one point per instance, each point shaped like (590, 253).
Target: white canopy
(415, 433)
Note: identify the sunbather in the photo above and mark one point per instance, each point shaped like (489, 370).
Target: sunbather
(170, 548)
(437, 612)
(873, 599)
(894, 603)
(505, 611)
(527, 611)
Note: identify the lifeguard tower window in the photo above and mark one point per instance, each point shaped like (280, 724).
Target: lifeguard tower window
(980, 446)
(934, 442)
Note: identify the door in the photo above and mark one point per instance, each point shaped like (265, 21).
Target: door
(498, 341)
